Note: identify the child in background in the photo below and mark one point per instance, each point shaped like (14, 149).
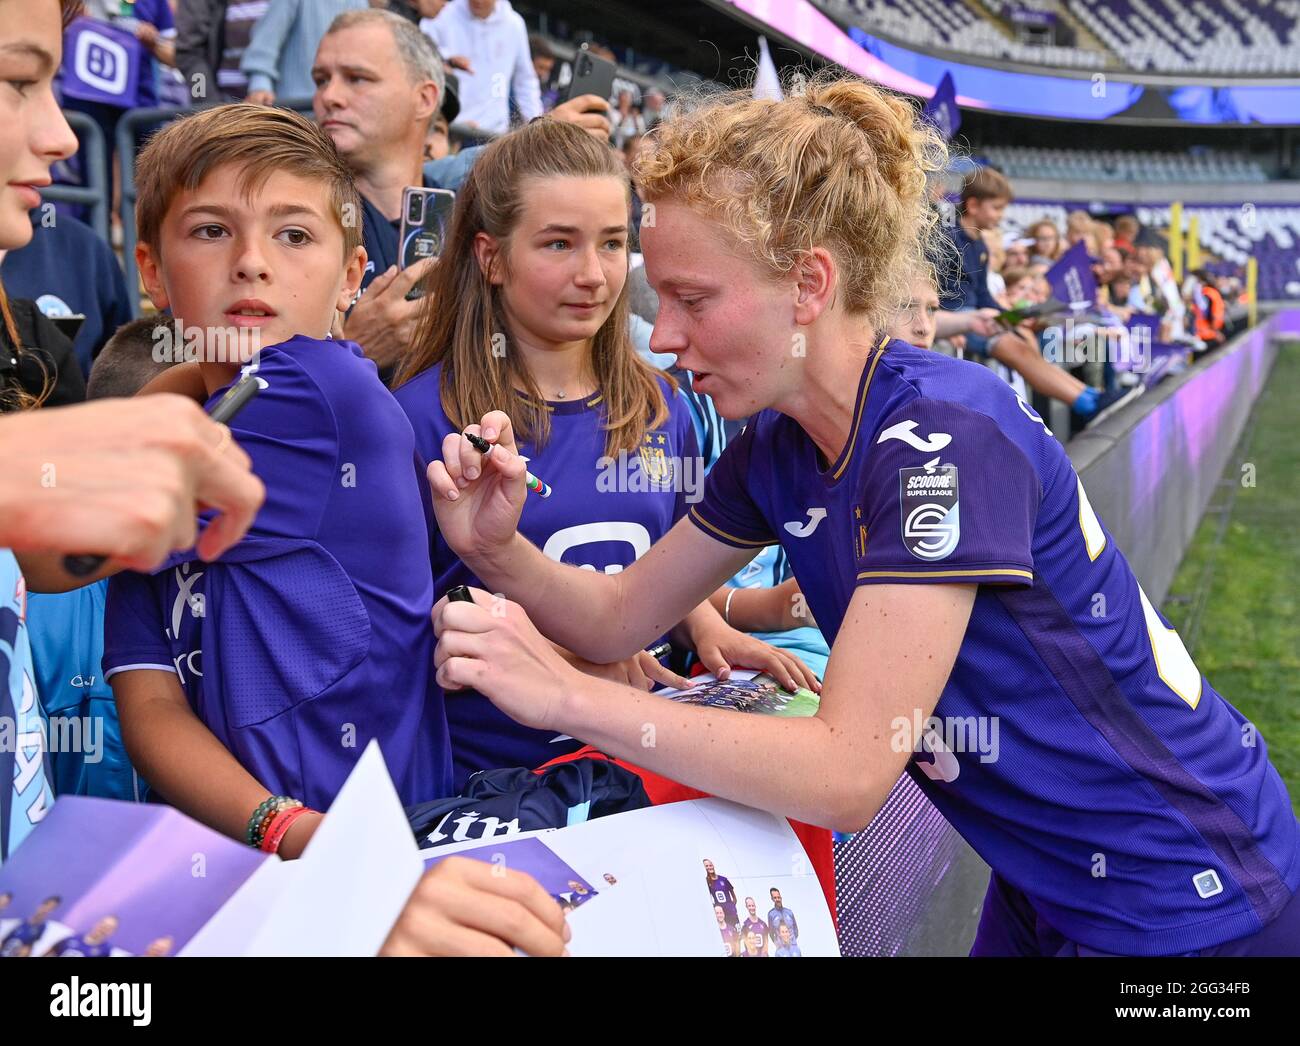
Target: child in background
(1014, 354)
(920, 321)
(248, 687)
(1022, 288)
(67, 628)
(1047, 242)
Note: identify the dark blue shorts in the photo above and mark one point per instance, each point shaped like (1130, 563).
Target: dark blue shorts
(1010, 925)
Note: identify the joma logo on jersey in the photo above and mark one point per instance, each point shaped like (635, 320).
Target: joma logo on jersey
(903, 431)
(802, 529)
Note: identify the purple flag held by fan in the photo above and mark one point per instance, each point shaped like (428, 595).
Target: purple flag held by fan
(1072, 280)
(101, 63)
(941, 109)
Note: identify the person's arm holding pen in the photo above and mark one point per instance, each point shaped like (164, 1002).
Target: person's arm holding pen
(832, 770)
(130, 477)
(601, 617)
(642, 670)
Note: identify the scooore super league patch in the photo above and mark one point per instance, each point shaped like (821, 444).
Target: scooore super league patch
(927, 496)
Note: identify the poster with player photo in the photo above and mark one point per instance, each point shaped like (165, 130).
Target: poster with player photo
(747, 691)
(722, 895)
(769, 924)
(101, 878)
(533, 856)
(665, 902)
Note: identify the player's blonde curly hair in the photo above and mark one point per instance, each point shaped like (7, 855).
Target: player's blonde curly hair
(839, 164)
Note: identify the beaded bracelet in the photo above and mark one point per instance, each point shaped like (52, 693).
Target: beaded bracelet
(264, 814)
(269, 817)
(253, 821)
(280, 828)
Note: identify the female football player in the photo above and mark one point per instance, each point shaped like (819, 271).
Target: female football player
(987, 635)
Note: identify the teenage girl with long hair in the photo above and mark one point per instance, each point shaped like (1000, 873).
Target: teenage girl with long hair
(527, 311)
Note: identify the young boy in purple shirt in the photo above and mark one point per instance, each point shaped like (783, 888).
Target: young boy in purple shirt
(248, 687)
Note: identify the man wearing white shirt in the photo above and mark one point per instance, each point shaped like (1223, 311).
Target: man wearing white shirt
(492, 36)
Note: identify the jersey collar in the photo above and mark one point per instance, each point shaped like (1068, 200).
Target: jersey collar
(837, 470)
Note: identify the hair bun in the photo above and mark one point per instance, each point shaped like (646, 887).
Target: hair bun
(839, 163)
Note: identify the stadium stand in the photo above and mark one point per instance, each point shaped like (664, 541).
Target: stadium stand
(1113, 165)
(1238, 37)
(1270, 234)
(955, 26)
(1232, 38)
(1231, 234)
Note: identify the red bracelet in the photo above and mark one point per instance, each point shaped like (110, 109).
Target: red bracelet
(279, 827)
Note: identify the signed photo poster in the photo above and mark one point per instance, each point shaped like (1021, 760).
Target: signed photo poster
(104, 878)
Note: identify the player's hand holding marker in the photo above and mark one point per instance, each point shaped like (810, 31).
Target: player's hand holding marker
(478, 498)
(491, 646)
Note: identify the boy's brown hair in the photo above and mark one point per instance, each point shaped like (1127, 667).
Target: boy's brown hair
(986, 184)
(257, 138)
(1013, 276)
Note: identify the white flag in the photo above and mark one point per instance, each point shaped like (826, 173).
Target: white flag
(767, 84)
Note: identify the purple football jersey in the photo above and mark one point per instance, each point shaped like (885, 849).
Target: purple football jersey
(312, 635)
(755, 924)
(76, 947)
(22, 936)
(1075, 746)
(723, 893)
(602, 516)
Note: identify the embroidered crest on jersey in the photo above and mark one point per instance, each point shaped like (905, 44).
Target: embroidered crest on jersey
(654, 461)
(927, 497)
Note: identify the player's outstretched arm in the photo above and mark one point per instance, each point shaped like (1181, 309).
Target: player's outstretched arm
(834, 769)
(478, 500)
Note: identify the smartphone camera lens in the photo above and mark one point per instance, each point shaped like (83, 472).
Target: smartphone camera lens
(415, 210)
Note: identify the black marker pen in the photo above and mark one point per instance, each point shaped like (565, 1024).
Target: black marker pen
(236, 399)
(534, 484)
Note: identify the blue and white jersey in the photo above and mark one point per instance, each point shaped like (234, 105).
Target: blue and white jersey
(26, 795)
